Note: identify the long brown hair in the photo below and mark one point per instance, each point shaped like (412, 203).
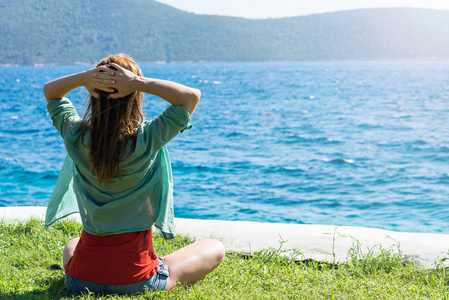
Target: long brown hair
(111, 124)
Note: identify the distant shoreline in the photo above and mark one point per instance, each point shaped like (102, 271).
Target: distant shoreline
(162, 34)
(236, 61)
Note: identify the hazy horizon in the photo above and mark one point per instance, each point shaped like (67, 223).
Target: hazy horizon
(289, 8)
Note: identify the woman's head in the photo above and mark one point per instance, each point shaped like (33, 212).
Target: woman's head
(111, 124)
(123, 60)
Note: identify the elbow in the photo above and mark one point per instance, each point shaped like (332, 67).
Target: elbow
(196, 95)
(193, 100)
(46, 91)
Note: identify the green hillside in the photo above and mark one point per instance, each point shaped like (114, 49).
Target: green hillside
(51, 31)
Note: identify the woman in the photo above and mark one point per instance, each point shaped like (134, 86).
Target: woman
(121, 181)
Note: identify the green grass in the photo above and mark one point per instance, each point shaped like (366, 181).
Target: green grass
(27, 250)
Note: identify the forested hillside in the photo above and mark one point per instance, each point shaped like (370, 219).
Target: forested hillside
(62, 31)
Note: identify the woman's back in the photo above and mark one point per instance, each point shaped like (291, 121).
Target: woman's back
(143, 194)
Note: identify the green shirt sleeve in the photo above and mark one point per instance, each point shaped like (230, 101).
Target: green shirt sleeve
(63, 114)
(165, 127)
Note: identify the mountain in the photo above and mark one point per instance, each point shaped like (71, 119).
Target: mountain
(62, 31)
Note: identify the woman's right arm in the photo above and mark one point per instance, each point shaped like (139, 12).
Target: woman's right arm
(92, 79)
(175, 93)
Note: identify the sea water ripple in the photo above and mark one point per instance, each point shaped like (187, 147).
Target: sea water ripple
(341, 143)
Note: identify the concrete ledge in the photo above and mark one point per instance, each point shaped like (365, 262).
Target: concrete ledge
(318, 242)
(23, 213)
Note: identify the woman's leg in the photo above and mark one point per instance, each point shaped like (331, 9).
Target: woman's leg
(193, 262)
(68, 250)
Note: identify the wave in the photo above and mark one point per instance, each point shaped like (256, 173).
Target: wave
(293, 139)
(283, 170)
(338, 161)
(212, 169)
(369, 126)
(248, 211)
(235, 134)
(21, 131)
(443, 149)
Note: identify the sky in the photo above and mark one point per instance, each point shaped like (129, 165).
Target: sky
(261, 9)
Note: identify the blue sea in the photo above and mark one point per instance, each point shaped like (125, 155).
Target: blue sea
(338, 143)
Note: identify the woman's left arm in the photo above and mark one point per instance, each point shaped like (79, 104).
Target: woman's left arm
(92, 79)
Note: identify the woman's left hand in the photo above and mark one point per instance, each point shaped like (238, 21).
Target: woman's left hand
(123, 81)
(99, 78)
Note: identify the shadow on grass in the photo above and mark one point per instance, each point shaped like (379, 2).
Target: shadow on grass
(55, 290)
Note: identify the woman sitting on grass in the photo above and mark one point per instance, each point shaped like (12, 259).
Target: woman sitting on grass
(122, 181)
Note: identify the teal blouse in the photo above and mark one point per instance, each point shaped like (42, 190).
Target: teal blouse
(143, 196)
